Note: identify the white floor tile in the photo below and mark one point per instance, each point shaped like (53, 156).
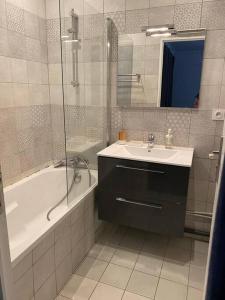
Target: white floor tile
(92, 268)
(78, 288)
(156, 244)
(194, 294)
(183, 243)
(150, 264)
(196, 277)
(116, 276)
(168, 290)
(102, 251)
(142, 284)
(175, 271)
(132, 242)
(103, 292)
(125, 258)
(131, 296)
(178, 255)
(111, 239)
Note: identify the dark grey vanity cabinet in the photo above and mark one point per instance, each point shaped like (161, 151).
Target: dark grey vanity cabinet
(143, 195)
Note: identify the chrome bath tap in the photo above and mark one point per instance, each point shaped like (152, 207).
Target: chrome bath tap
(151, 141)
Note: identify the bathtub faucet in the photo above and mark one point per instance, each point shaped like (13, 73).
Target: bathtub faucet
(76, 162)
(64, 163)
(81, 162)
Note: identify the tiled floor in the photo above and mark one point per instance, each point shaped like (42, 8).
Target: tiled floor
(133, 265)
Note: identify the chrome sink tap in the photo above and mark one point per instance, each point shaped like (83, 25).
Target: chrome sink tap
(151, 140)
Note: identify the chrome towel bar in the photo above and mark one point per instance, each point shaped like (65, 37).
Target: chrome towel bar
(138, 78)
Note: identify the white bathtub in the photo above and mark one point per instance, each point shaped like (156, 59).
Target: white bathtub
(29, 200)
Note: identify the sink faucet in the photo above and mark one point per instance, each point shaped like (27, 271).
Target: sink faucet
(151, 140)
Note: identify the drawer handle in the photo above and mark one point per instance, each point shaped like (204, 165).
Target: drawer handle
(156, 206)
(140, 169)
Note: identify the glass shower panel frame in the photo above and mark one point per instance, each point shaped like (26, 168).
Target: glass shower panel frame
(84, 83)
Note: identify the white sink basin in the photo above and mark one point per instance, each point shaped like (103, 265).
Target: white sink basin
(179, 156)
(151, 153)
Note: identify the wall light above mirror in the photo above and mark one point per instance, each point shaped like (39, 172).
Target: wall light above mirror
(160, 67)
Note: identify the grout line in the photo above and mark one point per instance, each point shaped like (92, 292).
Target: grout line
(162, 267)
(133, 269)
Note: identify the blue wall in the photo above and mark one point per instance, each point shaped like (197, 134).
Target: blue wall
(188, 57)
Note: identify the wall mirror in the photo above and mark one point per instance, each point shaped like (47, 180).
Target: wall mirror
(159, 70)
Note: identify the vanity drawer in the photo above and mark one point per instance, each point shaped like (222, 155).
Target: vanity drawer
(166, 218)
(142, 180)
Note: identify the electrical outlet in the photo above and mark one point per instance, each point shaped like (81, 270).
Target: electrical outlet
(218, 114)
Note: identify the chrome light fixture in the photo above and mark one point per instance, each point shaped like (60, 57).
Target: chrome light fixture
(159, 30)
(169, 30)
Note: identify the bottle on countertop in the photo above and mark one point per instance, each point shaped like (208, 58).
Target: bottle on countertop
(122, 136)
(169, 139)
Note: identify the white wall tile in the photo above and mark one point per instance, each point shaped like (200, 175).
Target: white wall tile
(62, 248)
(93, 7)
(19, 70)
(52, 9)
(43, 246)
(48, 289)
(43, 268)
(209, 96)
(212, 71)
(157, 3)
(116, 5)
(6, 95)
(161, 15)
(24, 286)
(214, 44)
(22, 267)
(56, 94)
(21, 94)
(63, 272)
(32, 6)
(5, 70)
(55, 73)
(213, 15)
(132, 4)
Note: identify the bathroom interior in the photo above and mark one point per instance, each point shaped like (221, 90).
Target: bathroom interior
(111, 148)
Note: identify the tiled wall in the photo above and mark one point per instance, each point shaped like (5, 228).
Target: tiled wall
(25, 121)
(190, 127)
(43, 272)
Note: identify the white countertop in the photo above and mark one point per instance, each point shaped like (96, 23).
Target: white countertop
(177, 156)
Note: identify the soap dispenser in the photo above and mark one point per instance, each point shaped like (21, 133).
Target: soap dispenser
(169, 139)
